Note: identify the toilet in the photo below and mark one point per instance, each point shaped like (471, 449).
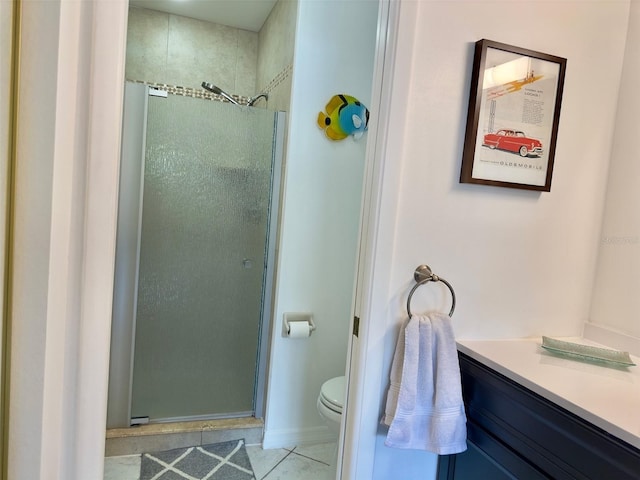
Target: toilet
(330, 402)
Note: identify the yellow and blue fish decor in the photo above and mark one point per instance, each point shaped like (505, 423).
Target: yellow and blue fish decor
(344, 116)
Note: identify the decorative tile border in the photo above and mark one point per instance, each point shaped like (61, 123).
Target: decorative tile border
(206, 95)
(191, 92)
(278, 79)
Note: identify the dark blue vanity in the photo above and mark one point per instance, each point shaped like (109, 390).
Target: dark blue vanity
(515, 432)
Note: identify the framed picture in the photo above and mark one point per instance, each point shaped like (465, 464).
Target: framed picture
(512, 123)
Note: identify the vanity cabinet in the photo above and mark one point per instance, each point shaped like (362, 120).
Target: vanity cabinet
(515, 433)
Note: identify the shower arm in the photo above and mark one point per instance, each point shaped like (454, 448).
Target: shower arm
(253, 100)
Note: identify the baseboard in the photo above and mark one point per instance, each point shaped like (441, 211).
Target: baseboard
(611, 338)
(288, 438)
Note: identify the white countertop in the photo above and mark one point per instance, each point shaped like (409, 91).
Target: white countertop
(607, 397)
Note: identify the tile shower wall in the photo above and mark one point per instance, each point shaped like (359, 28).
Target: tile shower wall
(276, 41)
(170, 49)
(176, 50)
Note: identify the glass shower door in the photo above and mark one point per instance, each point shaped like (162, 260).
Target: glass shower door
(203, 243)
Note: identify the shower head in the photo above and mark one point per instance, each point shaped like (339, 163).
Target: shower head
(218, 91)
(253, 100)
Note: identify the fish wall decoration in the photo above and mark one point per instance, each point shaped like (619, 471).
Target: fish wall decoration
(345, 115)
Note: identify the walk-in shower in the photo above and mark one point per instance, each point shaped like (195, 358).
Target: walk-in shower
(218, 91)
(195, 258)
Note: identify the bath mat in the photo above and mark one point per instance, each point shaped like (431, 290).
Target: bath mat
(218, 461)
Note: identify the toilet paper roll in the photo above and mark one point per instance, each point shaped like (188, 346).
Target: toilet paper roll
(299, 329)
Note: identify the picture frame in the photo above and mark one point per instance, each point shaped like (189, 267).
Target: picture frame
(513, 90)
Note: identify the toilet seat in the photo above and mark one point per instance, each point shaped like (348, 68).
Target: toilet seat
(332, 394)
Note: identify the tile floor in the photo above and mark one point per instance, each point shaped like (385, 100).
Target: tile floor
(305, 462)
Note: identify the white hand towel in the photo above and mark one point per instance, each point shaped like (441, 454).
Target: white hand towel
(424, 407)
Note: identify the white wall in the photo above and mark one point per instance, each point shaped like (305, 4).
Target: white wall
(72, 73)
(322, 201)
(522, 263)
(616, 301)
(34, 178)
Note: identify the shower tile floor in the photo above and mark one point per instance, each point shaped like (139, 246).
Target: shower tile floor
(298, 463)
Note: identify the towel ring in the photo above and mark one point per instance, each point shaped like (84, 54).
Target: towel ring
(422, 275)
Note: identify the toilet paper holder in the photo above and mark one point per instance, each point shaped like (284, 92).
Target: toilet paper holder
(290, 317)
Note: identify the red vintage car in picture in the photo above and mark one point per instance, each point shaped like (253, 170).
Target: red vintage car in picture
(513, 141)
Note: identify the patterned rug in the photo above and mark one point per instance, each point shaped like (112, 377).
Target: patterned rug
(218, 461)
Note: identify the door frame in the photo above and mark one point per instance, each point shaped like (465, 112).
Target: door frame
(10, 54)
(367, 355)
(68, 119)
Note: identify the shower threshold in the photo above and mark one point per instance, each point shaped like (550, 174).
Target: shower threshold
(198, 418)
(164, 436)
